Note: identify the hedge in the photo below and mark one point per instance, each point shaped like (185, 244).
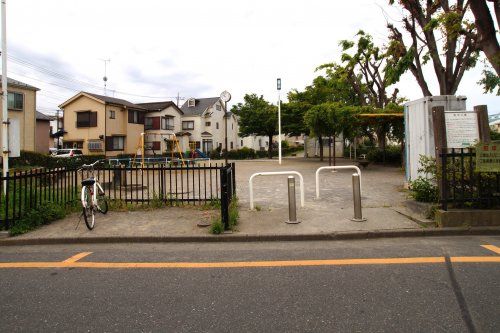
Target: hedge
(29, 158)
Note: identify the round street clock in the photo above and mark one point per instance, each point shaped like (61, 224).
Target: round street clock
(225, 96)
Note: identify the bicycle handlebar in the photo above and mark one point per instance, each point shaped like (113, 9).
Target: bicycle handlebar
(90, 166)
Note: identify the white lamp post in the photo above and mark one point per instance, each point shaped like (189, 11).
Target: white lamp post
(278, 84)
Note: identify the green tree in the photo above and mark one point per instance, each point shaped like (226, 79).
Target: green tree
(257, 117)
(318, 120)
(441, 33)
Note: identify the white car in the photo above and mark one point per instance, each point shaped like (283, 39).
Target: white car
(68, 153)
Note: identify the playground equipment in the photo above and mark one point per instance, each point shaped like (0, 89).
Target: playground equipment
(301, 182)
(169, 138)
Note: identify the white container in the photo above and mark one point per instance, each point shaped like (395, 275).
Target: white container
(419, 130)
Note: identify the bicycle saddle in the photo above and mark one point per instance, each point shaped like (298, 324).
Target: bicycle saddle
(88, 181)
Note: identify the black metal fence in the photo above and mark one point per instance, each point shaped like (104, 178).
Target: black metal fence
(461, 187)
(170, 185)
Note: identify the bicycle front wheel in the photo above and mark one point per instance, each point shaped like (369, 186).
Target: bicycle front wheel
(88, 208)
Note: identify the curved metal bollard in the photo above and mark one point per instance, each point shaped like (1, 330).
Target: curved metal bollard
(340, 167)
(301, 182)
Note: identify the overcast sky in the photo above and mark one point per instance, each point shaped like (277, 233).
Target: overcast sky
(193, 48)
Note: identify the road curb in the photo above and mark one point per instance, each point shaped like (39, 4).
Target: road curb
(236, 237)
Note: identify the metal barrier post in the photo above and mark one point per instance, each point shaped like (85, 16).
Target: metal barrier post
(356, 194)
(292, 206)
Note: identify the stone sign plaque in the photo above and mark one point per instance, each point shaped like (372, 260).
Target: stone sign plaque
(488, 157)
(461, 129)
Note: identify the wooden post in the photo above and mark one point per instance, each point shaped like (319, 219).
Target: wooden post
(439, 129)
(440, 144)
(482, 123)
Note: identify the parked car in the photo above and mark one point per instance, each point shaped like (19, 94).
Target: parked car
(64, 153)
(53, 151)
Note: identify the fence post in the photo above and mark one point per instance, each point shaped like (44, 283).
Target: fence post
(75, 185)
(292, 206)
(443, 191)
(356, 196)
(6, 179)
(224, 198)
(233, 174)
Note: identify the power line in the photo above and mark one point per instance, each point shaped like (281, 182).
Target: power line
(64, 77)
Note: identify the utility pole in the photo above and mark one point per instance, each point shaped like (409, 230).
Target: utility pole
(5, 100)
(105, 78)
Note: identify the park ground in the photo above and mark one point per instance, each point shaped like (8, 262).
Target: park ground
(383, 199)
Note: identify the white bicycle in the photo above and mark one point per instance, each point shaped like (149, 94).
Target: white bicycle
(93, 199)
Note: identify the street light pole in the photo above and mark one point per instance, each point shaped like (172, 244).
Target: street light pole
(225, 96)
(225, 130)
(278, 83)
(5, 100)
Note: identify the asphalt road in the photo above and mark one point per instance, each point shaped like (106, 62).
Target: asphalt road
(287, 295)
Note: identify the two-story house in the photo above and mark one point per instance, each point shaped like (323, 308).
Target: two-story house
(204, 119)
(102, 125)
(22, 116)
(162, 126)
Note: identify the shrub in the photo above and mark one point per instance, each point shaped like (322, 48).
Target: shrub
(216, 227)
(424, 190)
(392, 155)
(44, 214)
(29, 158)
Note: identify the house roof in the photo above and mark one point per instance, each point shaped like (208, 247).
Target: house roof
(117, 101)
(104, 99)
(158, 106)
(42, 116)
(19, 84)
(200, 105)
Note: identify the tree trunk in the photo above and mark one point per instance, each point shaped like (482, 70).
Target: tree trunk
(320, 140)
(334, 151)
(330, 151)
(270, 149)
(381, 143)
(488, 42)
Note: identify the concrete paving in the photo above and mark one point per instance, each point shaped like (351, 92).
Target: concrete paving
(382, 194)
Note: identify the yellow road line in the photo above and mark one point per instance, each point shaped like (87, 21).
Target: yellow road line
(77, 257)
(247, 264)
(492, 248)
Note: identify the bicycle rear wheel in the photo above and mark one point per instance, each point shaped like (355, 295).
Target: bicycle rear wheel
(102, 204)
(88, 208)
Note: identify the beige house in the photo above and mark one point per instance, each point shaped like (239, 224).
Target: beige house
(22, 104)
(102, 125)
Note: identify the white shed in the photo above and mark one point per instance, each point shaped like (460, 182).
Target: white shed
(419, 132)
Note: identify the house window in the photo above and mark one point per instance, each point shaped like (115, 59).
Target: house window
(195, 144)
(111, 114)
(115, 143)
(217, 125)
(241, 143)
(151, 123)
(260, 142)
(208, 124)
(95, 145)
(191, 102)
(73, 144)
(217, 107)
(156, 145)
(231, 144)
(167, 123)
(232, 126)
(188, 125)
(207, 145)
(15, 101)
(135, 117)
(86, 119)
